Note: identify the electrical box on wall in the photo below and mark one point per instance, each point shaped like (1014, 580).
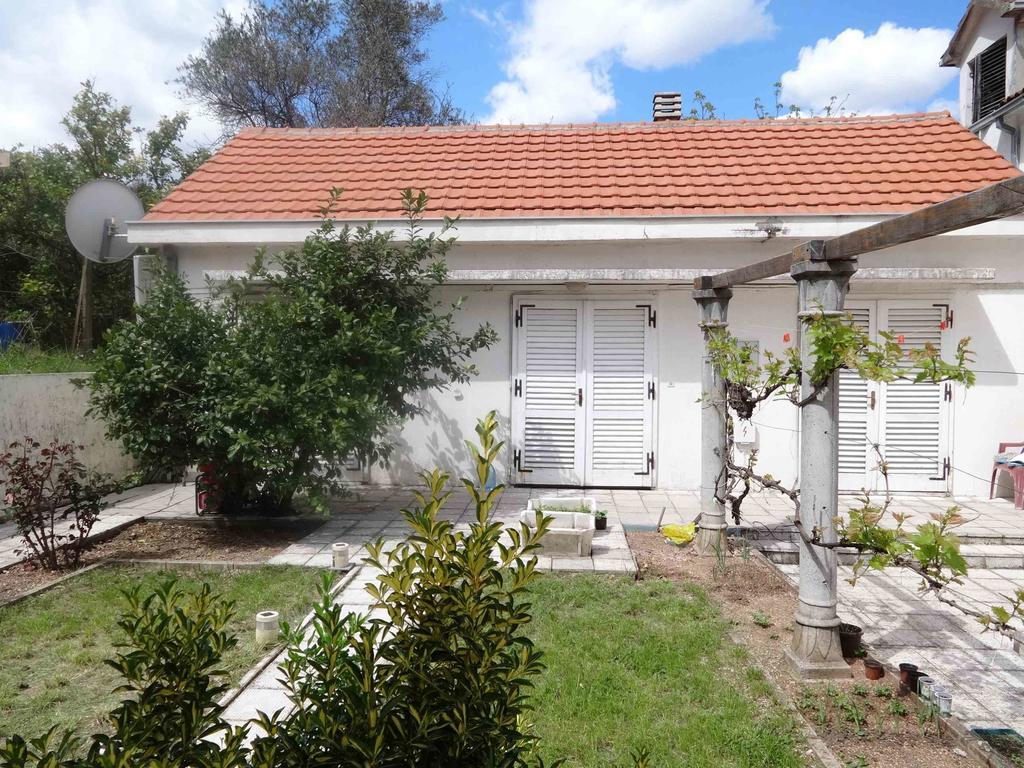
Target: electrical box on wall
(744, 434)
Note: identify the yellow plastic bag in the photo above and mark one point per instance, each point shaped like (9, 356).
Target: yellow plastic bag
(679, 534)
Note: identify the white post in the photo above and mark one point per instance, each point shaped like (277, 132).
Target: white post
(816, 652)
(714, 309)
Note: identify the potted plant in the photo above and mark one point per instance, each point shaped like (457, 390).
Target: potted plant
(849, 639)
(600, 520)
(908, 677)
(873, 670)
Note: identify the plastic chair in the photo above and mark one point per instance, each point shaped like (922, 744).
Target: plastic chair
(1016, 473)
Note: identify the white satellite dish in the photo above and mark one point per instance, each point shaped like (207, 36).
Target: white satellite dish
(95, 220)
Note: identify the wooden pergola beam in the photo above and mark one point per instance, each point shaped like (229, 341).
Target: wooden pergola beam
(996, 201)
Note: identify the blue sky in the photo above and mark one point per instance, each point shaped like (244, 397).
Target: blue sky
(470, 54)
(514, 61)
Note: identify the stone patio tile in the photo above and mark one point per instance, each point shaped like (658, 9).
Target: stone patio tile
(269, 678)
(572, 564)
(285, 558)
(543, 563)
(606, 565)
(253, 700)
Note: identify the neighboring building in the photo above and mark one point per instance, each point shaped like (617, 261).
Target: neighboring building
(579, 244)
(988, 48)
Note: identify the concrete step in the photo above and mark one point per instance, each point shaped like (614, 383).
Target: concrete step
(784, 552)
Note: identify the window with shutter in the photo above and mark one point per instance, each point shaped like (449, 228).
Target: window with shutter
(988, 69)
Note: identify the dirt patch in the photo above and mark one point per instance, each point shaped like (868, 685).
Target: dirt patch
(866, 724)
(156, 540)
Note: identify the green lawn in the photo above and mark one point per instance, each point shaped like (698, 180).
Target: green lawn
(23, 358)
(52, 646)
(648, 664)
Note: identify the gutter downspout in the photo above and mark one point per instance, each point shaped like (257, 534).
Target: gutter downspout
(1002, 125)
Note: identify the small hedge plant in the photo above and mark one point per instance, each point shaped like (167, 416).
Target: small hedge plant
(53, 498)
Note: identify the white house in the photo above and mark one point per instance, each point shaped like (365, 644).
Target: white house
(988, 49)
(579, 244)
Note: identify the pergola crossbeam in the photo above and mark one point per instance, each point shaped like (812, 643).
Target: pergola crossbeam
(996, 201)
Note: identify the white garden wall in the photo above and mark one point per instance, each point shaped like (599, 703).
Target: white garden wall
(47, 406)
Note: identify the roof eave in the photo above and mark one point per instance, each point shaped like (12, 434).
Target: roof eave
(746, 227)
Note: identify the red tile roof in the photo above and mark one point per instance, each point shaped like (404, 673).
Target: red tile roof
(813, 166)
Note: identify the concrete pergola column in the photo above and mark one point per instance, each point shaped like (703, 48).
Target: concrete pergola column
(815, 652)
(714, 309)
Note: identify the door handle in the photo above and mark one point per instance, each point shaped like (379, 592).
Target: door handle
(579, 396)
(872, 399)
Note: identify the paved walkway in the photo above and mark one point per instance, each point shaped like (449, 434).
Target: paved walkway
(375, 513)
(160, 501)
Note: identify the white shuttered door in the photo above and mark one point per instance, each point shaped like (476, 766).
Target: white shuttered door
(907, 421)
(549, 387)
(583, 396)
(619, 385)
(858, 419)
(913, 429)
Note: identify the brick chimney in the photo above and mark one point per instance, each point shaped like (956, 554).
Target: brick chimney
(668, 106)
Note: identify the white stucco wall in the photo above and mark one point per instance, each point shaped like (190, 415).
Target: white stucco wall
(987, 310)
(45, 406)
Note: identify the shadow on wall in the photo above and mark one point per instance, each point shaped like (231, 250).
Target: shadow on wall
(444, 444)
(993, 411)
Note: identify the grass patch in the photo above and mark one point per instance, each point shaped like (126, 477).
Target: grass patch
(53, 645)
(26, 358)
(648, 664)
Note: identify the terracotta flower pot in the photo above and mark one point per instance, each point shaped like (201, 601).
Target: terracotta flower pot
(873, 670)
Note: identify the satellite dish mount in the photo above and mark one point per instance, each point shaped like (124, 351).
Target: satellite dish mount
(93, 219)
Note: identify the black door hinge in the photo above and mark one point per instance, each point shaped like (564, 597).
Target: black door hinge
(650, 390)
(947, 320)
(519, 314)
(517, 388)
(947, 393)
(945, 470)
(517, 460)
(650, 464)
(652, 314)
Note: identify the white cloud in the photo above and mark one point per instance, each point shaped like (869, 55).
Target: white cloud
(896, 69)
(131, 49)
(562, 53)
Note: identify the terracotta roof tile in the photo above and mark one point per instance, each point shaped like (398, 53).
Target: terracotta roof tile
(825, 166)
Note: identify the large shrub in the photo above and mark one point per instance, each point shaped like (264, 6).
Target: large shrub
(316, 354)
(443, 679)
(54, 499)
(150, 385)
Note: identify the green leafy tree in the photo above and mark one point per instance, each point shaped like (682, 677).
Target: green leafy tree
(150, 380)
(300, 63)
(317, 353)
(42, 271)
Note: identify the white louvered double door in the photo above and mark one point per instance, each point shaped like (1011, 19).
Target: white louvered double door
(583, 392)
(908, 422)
